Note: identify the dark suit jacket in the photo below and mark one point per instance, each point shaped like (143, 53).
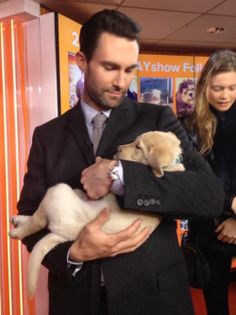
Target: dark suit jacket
(151, 280)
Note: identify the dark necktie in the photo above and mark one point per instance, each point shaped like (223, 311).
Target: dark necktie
(98, 125)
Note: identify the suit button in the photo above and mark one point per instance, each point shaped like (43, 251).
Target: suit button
(152, 201)
(139, 202)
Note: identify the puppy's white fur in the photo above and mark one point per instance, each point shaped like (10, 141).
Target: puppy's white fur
(65, 211)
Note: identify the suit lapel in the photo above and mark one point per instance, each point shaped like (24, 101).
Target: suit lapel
(117, 121)
(79, 130)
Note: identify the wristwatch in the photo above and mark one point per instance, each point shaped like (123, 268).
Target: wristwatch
(113, 171)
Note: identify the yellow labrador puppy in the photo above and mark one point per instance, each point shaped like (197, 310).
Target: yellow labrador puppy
(158, 149)
(65, 211)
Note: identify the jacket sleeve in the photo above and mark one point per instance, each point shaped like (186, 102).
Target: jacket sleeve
(34, 188)
(194, 193)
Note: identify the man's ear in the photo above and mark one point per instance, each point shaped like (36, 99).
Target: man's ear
(81, 61)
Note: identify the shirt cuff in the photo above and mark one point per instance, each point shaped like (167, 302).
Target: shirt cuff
(74, 266)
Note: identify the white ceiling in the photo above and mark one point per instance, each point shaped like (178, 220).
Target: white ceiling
(167, 25)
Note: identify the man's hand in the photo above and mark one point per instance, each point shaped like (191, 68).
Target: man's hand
(95, 179)
(93, 243)
(227, 231)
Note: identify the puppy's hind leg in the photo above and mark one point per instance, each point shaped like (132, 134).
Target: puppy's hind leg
(47, 243)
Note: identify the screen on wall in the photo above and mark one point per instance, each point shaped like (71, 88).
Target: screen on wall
(70, 76)
(169, 80)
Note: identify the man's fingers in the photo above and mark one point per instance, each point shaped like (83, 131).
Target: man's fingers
(85, 171)
(132, 243)
(220, 236)
(126, 233)
(98, 159)
(101, 218)
(223, 238)
(82, 175)
(94, 243)
(219, 228)
(231, 240)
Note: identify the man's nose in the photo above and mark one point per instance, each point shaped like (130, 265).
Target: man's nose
(120, 80)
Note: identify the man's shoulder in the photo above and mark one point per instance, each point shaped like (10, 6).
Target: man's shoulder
(60, 120)
(139, 106)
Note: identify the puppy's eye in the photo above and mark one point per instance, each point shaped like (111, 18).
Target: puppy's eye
(165, 166)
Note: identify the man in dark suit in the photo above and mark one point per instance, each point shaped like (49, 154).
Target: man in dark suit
(126, 273)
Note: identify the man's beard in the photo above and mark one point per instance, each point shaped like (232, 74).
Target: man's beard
(100, 100)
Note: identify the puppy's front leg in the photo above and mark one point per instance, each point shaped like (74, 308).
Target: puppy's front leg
(27, 225)
(18, 221)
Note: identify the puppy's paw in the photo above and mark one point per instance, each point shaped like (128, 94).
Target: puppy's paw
(18, 220)
(13, 220)
(13, 234)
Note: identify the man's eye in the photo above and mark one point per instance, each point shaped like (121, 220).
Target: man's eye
(129, 70)
(108, 68)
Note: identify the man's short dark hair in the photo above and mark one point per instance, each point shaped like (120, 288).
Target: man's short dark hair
(106, 21)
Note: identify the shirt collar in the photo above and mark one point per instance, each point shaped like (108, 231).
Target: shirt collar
(90, 112)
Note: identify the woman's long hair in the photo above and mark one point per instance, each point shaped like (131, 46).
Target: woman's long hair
(204, 121)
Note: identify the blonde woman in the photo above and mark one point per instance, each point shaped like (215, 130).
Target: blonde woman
(213, 129)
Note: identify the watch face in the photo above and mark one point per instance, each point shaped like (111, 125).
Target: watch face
(114, 173)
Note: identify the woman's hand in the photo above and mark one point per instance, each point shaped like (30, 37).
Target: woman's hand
(227, 231)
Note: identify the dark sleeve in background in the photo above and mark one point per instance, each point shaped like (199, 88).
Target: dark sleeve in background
(230, 189)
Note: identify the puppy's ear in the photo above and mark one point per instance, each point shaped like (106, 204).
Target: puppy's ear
(154, 161)
(143, 153)
(141, 145)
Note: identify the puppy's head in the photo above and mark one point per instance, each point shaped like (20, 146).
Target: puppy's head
(160, 150)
